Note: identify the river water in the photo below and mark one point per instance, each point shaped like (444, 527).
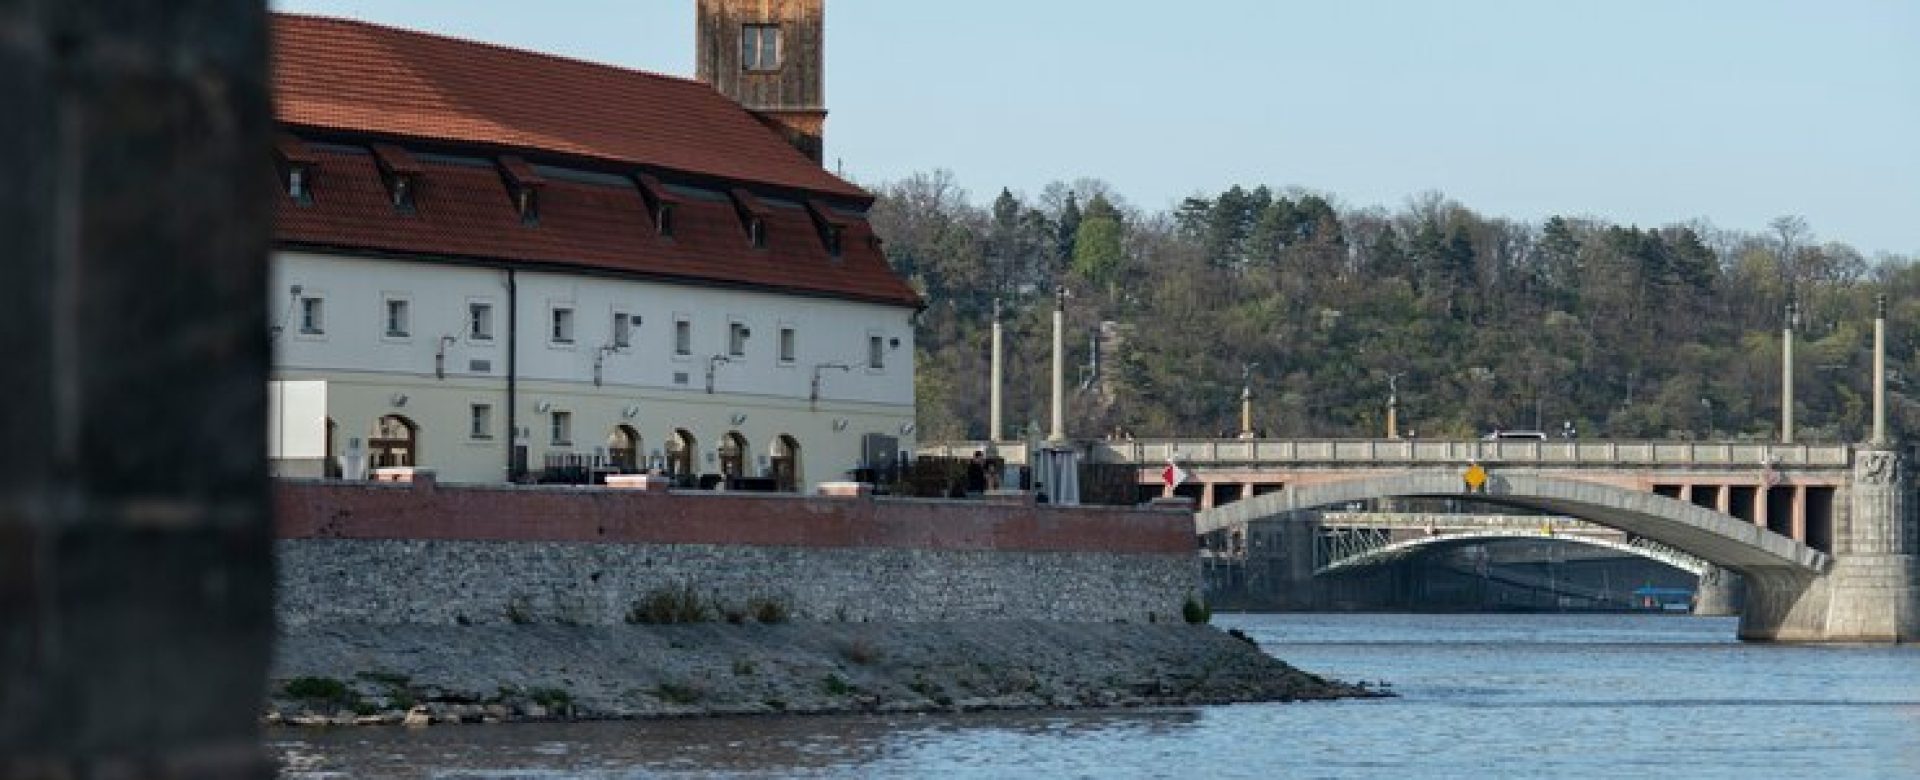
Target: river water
(1626, 696)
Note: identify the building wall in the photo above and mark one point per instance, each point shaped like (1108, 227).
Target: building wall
(448, 555)
(645, 385)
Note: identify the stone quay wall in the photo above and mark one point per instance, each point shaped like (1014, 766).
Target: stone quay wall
(471, 555)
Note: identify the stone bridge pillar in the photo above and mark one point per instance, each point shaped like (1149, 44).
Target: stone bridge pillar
(1875, 583)
(1718, 594)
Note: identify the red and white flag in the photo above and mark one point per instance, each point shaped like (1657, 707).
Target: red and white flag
(1173, 475)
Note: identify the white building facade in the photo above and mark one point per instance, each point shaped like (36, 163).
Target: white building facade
(496, 310)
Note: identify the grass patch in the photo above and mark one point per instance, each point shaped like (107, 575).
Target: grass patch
(769, 610)
(679, 693)
(859, 651)
(550, 698)
(668, 605)
(1196, 611)
(518, 613)
(318, 689)
(835, 685)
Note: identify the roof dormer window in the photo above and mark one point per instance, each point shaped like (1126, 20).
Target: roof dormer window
(753, 217)
(296, 168)
(832, 226)
(660, 203)
(663, 220)
(400, 173)
(297, 183)
(524, 186)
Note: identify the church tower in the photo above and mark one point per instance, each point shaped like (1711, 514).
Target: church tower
(769, 55)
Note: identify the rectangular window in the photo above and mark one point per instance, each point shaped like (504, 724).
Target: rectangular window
(788, 345)
(760, 47)
(562, 326)
(480, 321)
(737, 334)
(562, 427)
(682, 337)
(663, 219)
(313, 315)
(396, 317)
(876, 353)
(757, 233)
(480, 421)
(622, 330)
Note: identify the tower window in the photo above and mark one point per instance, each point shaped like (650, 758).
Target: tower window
(760, 47)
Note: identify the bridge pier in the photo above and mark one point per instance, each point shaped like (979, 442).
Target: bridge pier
(1872, 591)
(1719, 593)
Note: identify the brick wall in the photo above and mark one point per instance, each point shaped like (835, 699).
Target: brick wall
(446, 555)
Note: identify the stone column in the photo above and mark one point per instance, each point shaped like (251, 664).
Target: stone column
(1875, 586)
(1786, 374)
(1246, 412)
(1059, 430)
(136, 570)
(994, 380)
(1879, 372)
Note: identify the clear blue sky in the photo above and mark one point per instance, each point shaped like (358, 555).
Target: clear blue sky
(1638, 111)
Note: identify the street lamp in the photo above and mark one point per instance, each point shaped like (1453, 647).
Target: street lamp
(1708, 403)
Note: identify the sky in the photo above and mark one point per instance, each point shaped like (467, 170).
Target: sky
(1646, 112)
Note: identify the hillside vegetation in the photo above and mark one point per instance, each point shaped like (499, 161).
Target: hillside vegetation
(1624, 331)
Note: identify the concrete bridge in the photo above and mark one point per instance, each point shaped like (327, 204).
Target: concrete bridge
(1823, 537)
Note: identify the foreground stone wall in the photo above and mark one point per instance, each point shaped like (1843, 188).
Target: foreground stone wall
(500, 555)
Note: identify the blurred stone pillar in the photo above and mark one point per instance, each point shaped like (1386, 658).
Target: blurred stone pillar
(136, 579)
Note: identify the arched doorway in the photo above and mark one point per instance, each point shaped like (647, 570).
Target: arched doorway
(733, 455)
(680, 454)
(395, 442)
(623, 449)
(786, 464)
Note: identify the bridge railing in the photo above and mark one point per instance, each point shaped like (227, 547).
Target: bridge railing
(1417, 452)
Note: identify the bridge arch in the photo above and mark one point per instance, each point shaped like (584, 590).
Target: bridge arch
(1395, 550)
(1711, 536)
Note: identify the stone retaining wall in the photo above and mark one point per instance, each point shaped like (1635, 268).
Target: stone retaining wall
(436, 554)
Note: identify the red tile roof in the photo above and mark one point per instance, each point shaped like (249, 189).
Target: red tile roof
(463, 212)
(347, 75)
(377, 87)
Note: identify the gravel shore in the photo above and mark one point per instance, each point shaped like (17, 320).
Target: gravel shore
(346, 674)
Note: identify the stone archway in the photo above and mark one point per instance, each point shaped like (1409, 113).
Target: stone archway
(733, 455)
(680, 454)
(395, 442)
(785, 463)
(623, 449)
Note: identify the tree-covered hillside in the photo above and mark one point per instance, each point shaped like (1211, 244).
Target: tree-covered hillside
(1625, 331)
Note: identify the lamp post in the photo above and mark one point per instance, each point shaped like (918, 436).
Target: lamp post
(1786, 372)
(1246, 400)
(1393, 404)
(1708, 403)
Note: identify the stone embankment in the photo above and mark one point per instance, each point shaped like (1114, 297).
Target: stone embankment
(353, 673)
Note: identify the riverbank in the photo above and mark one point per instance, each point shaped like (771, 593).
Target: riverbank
(365, 674)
